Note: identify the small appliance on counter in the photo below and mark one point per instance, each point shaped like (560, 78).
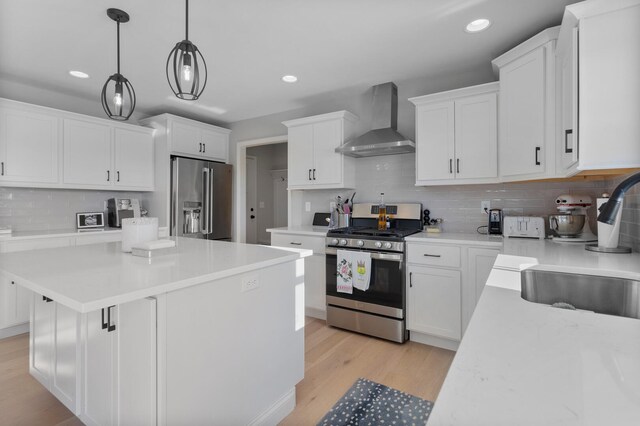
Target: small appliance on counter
(122, 208)
(572, 224)
(495, 222)
(524, 227)
(138, 230)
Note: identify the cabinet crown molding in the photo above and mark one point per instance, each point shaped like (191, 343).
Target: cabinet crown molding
(163, 120)
(540, 39)
(322, 117)
(456, 93)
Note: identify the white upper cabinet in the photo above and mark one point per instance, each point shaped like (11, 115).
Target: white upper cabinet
(456, 136)
(313, 162)
(600, 64)
(526, 112)
(47, 148)
(28, 145)
(189, 138)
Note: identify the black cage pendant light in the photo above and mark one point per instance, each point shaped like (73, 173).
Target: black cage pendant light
(186, 68)
(118, 96)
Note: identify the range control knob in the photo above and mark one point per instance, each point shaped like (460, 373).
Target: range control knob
(387, 245)
(378, 244)
(360, 243)
(343, 242)
(334, 242)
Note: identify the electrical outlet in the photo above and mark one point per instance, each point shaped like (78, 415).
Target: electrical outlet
(485, 206)
(250, 283)
(307, 206)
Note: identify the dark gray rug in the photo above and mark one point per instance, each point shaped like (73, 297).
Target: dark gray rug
(370, 403)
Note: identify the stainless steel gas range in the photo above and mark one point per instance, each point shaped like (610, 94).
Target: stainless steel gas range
(379, 311)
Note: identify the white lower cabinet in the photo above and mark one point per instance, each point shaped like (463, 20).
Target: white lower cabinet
(444, 284)
(14, 303)
(119, 365)
(434, 301)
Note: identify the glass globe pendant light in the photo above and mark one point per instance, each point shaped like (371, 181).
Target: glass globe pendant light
(118, 96)
(185, 75)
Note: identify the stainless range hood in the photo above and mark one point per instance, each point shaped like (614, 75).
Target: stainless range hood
(383, 138)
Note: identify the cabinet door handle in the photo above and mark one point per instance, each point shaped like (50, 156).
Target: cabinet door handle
(457, 165)
(309, 174)
(537, 152)
(410, 279)
(110, 327)
(295, 244)
(108, 175)
(200, 146)
(118, 176)
(2, 174)
(46, 299)
(450, 165)
(567, 150)
(13, 282)
(204, 148)
(431, 255)
(104, 323)
(314, 174)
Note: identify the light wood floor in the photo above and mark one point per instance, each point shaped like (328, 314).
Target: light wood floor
(334, 359)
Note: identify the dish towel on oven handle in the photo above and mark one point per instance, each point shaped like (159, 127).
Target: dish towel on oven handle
(344, 271)
(361, 266)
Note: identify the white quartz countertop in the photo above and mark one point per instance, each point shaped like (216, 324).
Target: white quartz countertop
(456, 238)
(316, 231)
(86, 278)
(52, 233)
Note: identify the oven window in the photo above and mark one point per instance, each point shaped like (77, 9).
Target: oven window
(386, 286)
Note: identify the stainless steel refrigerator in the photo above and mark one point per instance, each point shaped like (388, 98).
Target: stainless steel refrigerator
(200, 199)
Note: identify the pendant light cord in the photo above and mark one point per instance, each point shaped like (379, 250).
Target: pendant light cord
(118, 36)
(186, 19)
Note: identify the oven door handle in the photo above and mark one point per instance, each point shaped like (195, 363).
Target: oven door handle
(393, 257)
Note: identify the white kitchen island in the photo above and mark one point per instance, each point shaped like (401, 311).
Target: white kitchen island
(210, 334)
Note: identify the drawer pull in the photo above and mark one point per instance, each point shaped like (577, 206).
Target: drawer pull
(295, 244)
(431, 255)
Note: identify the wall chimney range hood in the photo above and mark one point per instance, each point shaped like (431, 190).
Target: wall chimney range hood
(383, 138)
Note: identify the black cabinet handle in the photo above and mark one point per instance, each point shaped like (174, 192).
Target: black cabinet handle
(108, 175)
(110, 327)
(457, 165)
(410, 279)
(309, 174)
(314, 174)
(450, 165)
(537, 152)
(204, 148)
(295, 244)
(431, 255)
(118, 176)
(2, 169)
(104, 323)
(567, 132)
(13, 282)
(46, 299)
(200, 145)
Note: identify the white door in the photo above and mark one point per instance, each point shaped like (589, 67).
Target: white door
(87, 154)
(41, 340)
(522, 115)
(252, 189)
(64, 383)
(476, 136)
(185, 139)
(133, 152)
(300, 155)
(480, 264)
(569, 136)
(28, 147)
(434, 302)
(435, 142)
(8, 302)
(98, 370)
(327, 164)
(215, 145)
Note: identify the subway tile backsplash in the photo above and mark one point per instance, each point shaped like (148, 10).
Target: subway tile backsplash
(28, 209)
(458, 205)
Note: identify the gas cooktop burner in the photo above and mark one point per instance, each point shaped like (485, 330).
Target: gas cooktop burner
(372, 232)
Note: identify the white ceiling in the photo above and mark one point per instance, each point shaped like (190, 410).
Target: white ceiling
(330, 45)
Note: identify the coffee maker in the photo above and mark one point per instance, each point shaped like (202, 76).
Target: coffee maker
(122, 208)
(495, 222)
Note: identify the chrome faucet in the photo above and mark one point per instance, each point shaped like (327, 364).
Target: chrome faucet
(609, 210)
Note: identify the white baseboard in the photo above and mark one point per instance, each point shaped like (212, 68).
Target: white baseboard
(14, 330)
(439, 342)
(315, 313)
(278, 411)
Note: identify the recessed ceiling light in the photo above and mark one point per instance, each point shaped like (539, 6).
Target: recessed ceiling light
(289, 78)
(478, 25)
(79, 74)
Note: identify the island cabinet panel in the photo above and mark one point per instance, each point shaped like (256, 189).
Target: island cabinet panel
(14, 303)
(250, 348)
(119, 368)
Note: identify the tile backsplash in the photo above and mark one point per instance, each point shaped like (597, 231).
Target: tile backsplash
(458, 205)
(28, 209)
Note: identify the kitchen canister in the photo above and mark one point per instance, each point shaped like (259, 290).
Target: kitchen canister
(138, 230)
(344, 220)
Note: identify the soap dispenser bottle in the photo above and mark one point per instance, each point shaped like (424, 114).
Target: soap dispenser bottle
(382, 214)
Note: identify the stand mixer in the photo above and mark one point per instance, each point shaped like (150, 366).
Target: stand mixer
(570, 207)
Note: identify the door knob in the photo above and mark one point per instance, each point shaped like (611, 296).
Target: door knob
(253, 217)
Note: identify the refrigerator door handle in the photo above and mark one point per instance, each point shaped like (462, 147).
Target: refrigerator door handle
(174, 197)
(206, 189)
(211, 200)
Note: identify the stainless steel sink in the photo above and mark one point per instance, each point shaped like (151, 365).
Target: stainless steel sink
(603, 295)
